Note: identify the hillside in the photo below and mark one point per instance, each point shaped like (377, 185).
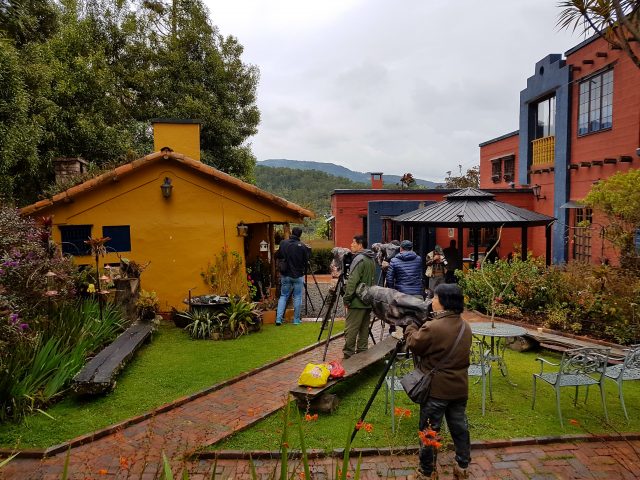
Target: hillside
(338, 171)
(308, 188)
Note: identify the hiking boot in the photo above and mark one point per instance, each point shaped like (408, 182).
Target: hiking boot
(459, 472)
(420, 475)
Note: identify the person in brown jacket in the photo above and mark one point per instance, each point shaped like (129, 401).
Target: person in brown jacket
(431, 343)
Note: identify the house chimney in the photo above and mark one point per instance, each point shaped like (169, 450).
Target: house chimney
(180, 136)
(376, 180)
(66, 167)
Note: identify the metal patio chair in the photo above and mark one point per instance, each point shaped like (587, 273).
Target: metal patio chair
(480, 367)
(578, 367)
(402, 365)
(624, 372)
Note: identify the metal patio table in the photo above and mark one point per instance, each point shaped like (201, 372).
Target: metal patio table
(497, 333)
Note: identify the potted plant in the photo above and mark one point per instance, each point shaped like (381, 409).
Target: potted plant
(238, 318)
(268, 309)
(147, 305)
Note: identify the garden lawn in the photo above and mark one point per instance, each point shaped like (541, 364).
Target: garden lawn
(508, 416)
(170, 367)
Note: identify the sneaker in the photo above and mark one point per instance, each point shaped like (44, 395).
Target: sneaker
(459, 472)
(278, 324)
(298, 322)
(420, 475)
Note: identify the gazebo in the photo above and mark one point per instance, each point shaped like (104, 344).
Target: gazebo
(473, 209)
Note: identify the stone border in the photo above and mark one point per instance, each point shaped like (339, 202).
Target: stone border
(410, 449)
(111, 429)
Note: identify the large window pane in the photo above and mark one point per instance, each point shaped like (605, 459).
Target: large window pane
(595, 106)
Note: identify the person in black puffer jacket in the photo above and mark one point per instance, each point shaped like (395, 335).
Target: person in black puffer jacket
(405, 271)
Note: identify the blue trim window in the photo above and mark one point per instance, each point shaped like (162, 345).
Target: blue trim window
(546, 118)
(120, 238)
(595, 109)
(73, 238)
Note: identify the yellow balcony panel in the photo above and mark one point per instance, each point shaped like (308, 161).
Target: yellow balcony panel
(544, 150)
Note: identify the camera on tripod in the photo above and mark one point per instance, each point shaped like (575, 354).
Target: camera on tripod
(385, 251)
(342, 258)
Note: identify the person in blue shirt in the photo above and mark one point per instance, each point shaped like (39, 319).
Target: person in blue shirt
(405, 271)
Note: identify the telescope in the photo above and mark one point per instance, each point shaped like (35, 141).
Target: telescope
(393, 307)
(385, 251)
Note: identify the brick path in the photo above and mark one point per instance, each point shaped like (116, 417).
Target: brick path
(213, 416)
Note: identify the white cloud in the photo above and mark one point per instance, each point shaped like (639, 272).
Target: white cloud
(397, 87)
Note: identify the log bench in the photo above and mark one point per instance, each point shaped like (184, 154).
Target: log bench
(352, 366)
(99, 374)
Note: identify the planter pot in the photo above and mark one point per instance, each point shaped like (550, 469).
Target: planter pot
(269, 317)
(288, 315)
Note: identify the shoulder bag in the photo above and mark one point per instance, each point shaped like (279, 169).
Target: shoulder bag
(417, 384)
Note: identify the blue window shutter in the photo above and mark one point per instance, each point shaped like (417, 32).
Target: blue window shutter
(120, 238)
(73, 238)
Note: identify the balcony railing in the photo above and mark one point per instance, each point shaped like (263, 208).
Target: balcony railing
(544, 150)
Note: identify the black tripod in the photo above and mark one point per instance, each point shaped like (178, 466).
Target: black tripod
(330, 314)
(307, 298)
(392, 358)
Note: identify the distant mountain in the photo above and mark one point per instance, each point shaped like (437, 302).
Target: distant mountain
(338, 171)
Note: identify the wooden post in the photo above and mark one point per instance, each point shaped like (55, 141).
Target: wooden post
(547, 238)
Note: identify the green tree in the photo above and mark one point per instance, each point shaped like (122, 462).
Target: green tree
(469, 179)
(198, 73)
(617, 21)
(618, 197)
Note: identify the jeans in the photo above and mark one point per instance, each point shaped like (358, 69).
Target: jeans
(287, 285)
(431, 413)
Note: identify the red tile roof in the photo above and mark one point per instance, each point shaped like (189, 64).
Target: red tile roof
(123, 170)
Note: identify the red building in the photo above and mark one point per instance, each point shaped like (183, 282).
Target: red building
(579, 123)
(368, 212)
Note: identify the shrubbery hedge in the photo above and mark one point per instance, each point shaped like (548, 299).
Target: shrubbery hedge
(577, 298)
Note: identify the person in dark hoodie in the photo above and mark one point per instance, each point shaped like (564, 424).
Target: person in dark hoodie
(405, 271)
(362, 270)
(293, 256)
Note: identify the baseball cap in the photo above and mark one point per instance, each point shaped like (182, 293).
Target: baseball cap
(406, 245)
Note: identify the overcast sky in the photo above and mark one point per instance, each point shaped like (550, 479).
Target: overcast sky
(391, 86)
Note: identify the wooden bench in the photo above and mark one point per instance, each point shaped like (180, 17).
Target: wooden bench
(99, 374)
(352, 367)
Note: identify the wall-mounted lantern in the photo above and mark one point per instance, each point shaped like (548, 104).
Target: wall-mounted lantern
(536, 191)
(243, 230)
(166, 187)
(264, 246)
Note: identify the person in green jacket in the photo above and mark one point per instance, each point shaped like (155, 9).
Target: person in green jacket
(362, 270)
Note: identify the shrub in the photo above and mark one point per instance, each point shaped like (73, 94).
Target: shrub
(38, 361)
(320, 260)
(27, 255)
(147, 305)
(577, 298)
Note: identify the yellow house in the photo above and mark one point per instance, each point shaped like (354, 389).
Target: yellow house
(171, 210)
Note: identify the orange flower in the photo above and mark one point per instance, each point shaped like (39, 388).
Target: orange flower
(368, 428)
(402, 412)
(285, 445)
(427, 437)
(311, 418)
(575, 422)
(359, 425)
(124, 463)
(102, 471)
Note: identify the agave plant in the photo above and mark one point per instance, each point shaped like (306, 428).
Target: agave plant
(239, 316)
(202, 324)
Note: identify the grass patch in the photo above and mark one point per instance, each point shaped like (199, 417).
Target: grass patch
(508, 416)
(170, 367)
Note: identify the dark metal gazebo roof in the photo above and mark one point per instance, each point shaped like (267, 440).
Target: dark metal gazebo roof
(471, 207)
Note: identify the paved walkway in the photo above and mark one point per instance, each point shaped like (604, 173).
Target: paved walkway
(135, 452)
